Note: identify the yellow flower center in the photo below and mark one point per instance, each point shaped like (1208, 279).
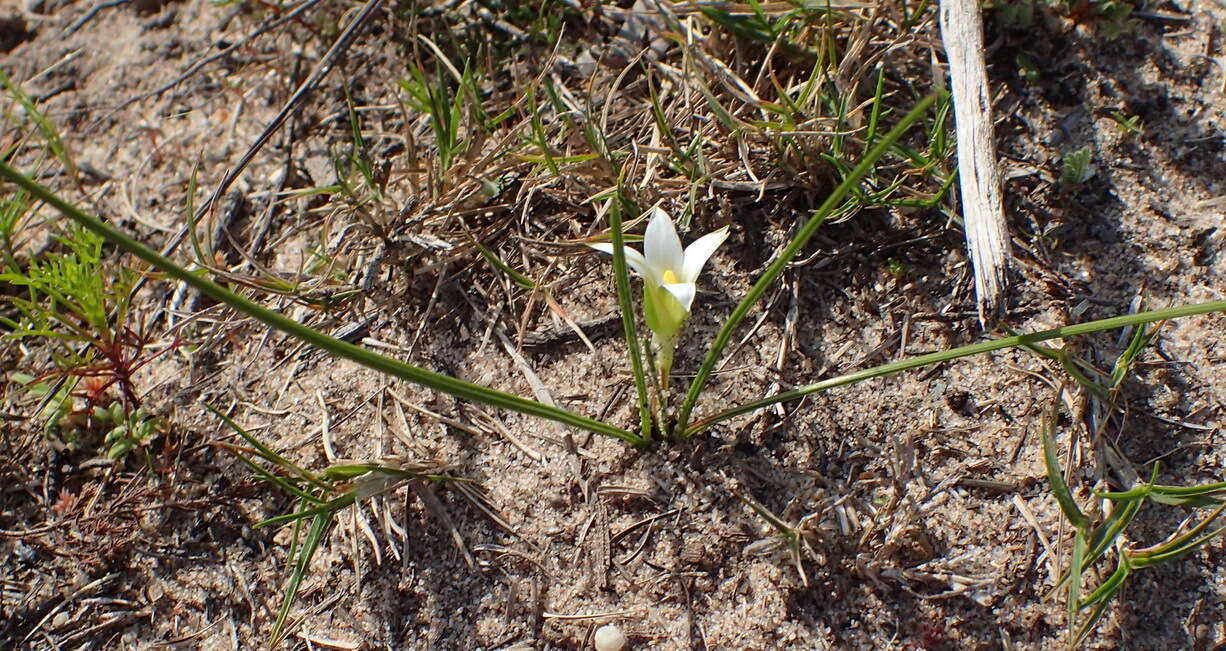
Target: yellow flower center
(670, 278)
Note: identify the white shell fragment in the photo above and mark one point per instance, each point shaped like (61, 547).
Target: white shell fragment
(609, 638)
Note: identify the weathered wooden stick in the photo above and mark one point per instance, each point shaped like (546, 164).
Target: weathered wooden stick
(983, 211)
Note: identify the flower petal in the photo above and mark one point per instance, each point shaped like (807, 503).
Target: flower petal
(665, 314)
(633, 258)
(661, 246)
(683, 292)
(698, 252)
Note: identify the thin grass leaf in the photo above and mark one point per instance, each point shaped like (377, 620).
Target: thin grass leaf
(1062, 357)
(264, 451)
(914, 17)
(874, 116)
(1070, 366)
(430, 379)
(1108, 589)
(1106, 535)
(1055, 476)
(621, 276)
(520, 280)
(1192, 501)
(721, 114)
(755, 27)
(1183, 550)
(50, 134)
(1141, 338)
(775, 521)
(1180, 546)
(1188, 490)
(1182, 539)
(295, 540)
(657, 115)
(360, 156)
(1076, 567)
(962, 351)
(349, 471)
(561, 160)
(785, 257)
(190, 216)
(318, 527)
(262, 473)
(1139, 491)
(941, 147)
(538, 133)
(331, 506)
(1175, 495)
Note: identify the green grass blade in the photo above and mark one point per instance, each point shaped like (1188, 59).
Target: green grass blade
(874, 116)
(1140, 339)
(850, 182)
(1054, 474)
(622, 277)
(318, 527)
(1062, 357)
(266, 452)
(1183, 550)
(538, 132)
(1108, 587)
(1183, 491)
(520, 280)
(279, 482)
(395, 368)
(1106, 535)
(1100, 599)
(54, 143)
(326, 508)
(1190, 501)
(1180, 545)
(775, 521)
(964, 351)
(1076, 567)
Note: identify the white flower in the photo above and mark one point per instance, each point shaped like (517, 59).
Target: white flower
(669, 276)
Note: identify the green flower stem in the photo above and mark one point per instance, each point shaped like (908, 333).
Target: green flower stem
(965, 351)
(622, 277)
(395, 368)
(850, 182)
(664, 347)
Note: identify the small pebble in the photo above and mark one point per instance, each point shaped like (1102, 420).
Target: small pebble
(609, 638)
(61, 620)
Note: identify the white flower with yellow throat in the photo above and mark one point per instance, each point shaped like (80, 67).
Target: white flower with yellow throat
(669, 276)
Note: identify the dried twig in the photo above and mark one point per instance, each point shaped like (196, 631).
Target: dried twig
(978, 175)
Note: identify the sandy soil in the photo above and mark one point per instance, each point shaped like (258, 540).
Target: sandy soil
(922, 498)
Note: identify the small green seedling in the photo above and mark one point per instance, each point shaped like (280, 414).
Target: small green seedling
(81, 302)
(1027, 68)
(1094, 538)
(1110, 18)
(1128, 126)
(793, 538)
(1012, 14)
(321, 496)
(128, 429)
(1077, 169)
